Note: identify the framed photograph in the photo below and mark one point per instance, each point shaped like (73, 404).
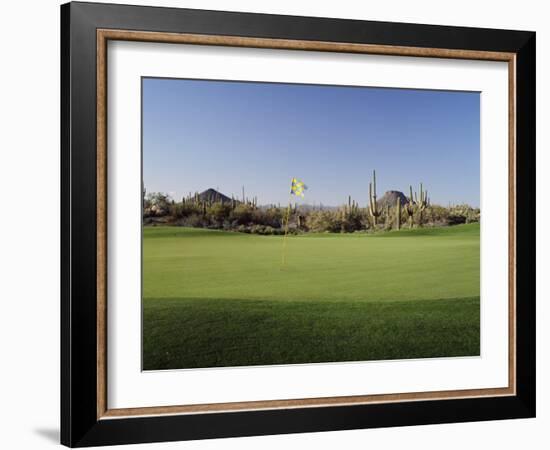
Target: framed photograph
(276, 224)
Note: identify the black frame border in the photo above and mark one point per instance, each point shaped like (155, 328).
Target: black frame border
(79, 423)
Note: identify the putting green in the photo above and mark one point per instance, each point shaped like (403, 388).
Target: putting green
(215, 298)
(405, 265)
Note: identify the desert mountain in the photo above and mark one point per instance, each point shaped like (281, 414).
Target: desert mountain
(390, 198)
(213, 196)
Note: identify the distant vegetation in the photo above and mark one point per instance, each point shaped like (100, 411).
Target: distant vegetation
(213, 210)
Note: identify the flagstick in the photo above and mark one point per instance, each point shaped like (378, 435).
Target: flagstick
(283, 260)
(283, 255)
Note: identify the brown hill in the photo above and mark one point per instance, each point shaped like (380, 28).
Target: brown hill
(213, 196)
(390, 198)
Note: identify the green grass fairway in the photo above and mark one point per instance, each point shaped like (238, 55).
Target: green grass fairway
(214, 299)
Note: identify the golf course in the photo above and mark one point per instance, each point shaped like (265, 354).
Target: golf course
(216, 299)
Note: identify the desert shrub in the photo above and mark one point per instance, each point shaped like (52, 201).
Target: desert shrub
(319, 221)
(256, 229)
(470, 214)
(242, 214)
(264, 230)
(181, 210)
(474, 216)
(194, 220)
(258, 217)
(217, 214)
(261, 229)
(178, 210)
(436, 214)
(272, 217)
(242, 229)
(316, 221)
(157, 204)
(456, 219)
(350, 222)
(174, 210)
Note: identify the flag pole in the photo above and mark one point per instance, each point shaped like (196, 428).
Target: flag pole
(283, 254)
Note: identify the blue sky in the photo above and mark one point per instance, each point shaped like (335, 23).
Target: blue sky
(201, 134)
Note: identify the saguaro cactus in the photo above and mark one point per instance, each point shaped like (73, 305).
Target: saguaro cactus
(398, 214)
(421, 203)
(373, 209)
(409, 207)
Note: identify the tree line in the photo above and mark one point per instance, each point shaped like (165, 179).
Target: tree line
(245, 215)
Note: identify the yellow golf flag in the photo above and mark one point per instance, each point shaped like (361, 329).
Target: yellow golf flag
(297, 187)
